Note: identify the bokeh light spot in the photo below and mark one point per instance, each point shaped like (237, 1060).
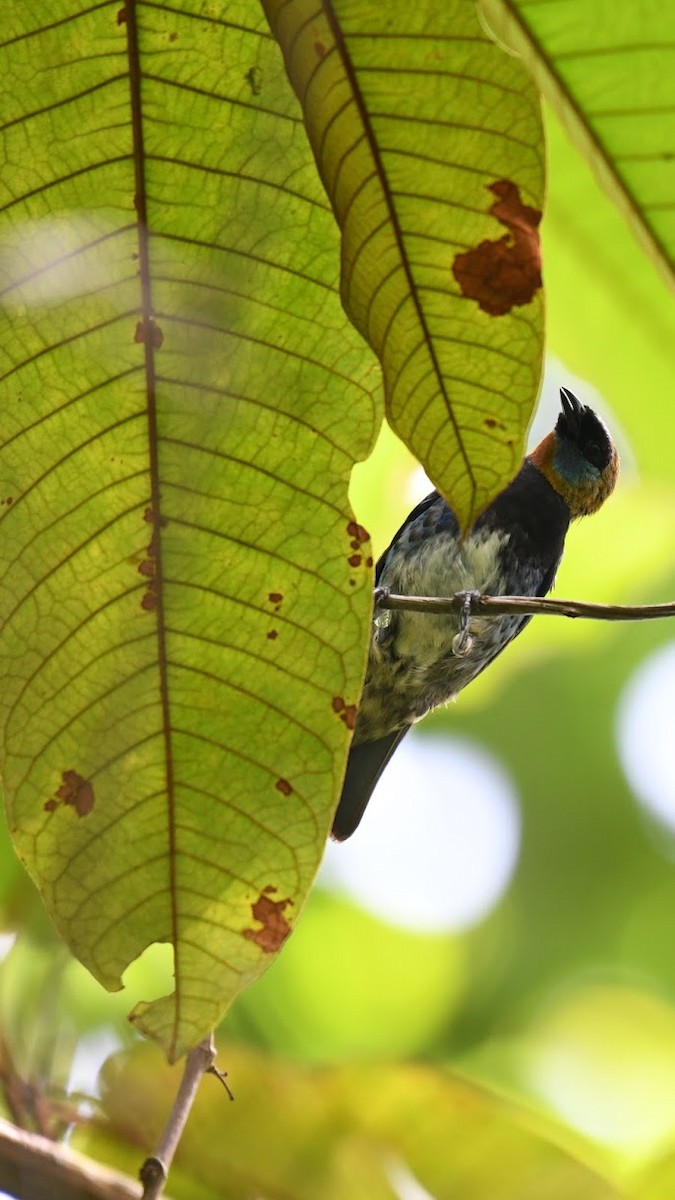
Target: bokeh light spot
(603, 1058)
(439, 841)
(645, 731)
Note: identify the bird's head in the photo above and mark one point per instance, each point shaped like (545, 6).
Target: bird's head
(578, 458)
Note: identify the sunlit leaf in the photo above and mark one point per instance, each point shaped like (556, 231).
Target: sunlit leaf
(428, 139)
(460, 1140)
(358, 1131)
(610, 312)
(656, 1181)
(184, 592)
(609, 71)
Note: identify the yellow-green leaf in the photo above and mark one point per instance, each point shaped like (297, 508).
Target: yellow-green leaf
(365, 1131)
(608, 69)
(184, 593)
(429, 141)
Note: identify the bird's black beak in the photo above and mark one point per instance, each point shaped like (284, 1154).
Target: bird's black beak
(572, 410)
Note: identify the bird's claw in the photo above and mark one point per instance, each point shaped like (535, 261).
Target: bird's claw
(462, 642)
(382, 618)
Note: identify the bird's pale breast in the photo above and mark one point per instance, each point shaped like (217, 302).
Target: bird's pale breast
(412, 667)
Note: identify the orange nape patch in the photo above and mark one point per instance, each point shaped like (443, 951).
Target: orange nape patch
(542, 455)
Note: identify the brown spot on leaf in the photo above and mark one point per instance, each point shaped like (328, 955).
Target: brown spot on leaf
(507, 272)
(149, 330)
(148, 567)
(76, 791)
(352, 583)
(275, 597)
(347, 712)
(349, 715)
(355, 560)
(369, 561)
(121, 16)
(283, 786)
(254, 79)
(9, 500)
(319, 49)
(50, 805)
(150, 519)
(273, 635)
(270, 913)
(172, 37)
(358, 532)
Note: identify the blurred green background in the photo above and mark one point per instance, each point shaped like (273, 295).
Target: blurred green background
(497, 939)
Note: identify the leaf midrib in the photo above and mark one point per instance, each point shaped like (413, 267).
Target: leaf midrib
(140, 200)
(396, 229)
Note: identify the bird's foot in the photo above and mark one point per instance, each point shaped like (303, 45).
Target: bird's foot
(383, 615)
(462, 643)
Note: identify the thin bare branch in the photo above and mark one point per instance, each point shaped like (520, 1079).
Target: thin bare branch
(521, 606)
(155, 1169)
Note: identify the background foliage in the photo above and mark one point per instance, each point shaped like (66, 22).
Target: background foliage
(531, 1053)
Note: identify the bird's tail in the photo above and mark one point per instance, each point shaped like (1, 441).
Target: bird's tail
(365, 764)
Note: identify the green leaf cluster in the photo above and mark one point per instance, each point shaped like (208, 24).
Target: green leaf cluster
(232, 237)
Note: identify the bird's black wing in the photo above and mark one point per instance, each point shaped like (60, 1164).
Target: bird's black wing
(365, 764)
(421, 508)
(367, 760)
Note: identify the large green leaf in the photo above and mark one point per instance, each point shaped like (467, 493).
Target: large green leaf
(608, 68)
(428, 139)
(184, 591)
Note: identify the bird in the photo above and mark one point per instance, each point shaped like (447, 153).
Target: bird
(417, 661)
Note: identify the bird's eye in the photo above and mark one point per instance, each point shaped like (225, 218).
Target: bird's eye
(596, 454)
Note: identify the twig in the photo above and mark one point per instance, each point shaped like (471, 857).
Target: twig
(520, 606)
(155, 1169)
(222, 1076)
(34, 1168)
